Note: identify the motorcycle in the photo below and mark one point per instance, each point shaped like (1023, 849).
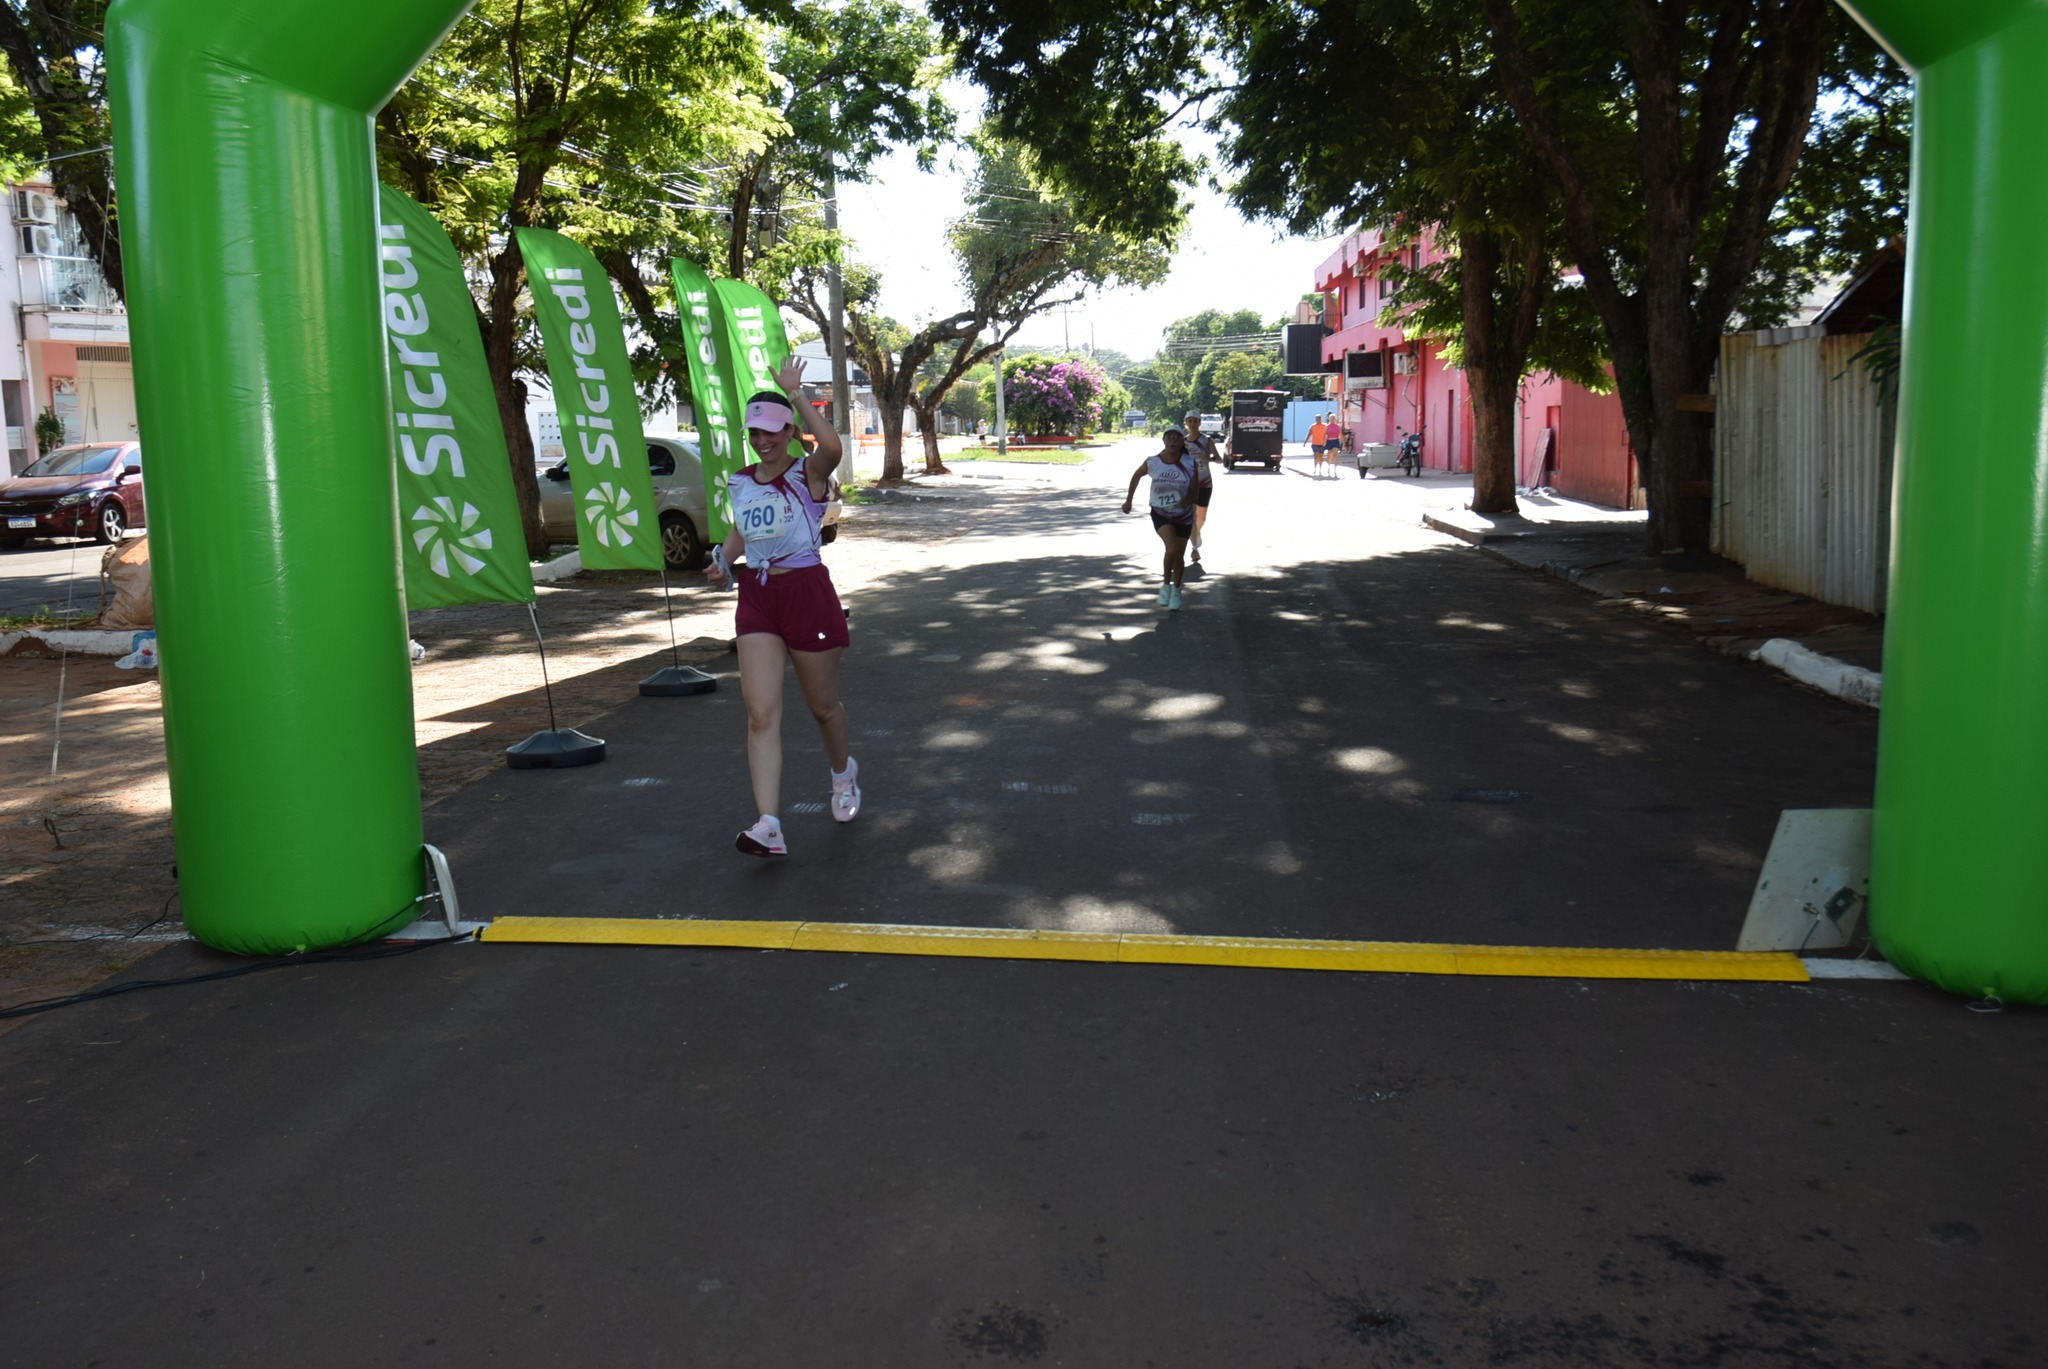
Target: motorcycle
(1410, 460)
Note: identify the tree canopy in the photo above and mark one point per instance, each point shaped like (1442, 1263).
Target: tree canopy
(1669, 131)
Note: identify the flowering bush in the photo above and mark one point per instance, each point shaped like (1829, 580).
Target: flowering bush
(1045, 395)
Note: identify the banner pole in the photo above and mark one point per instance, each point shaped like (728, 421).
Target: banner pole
(557, 748)
(675, 679)
(541, 643)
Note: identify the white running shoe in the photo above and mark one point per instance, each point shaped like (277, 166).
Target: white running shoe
(764, 838)
(1165, 596)
(1174, 602)
(846, 792)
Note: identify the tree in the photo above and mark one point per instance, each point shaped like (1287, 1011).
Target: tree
(1672, 133)
(571, 114)
(1045, 395)
(1432, 147)
(1021, 252)
(853, 80)
(53, 54)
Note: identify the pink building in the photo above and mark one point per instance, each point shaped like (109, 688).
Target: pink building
(1389, 384)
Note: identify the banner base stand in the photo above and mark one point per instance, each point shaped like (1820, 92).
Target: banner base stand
(558, 749)
(673, 681)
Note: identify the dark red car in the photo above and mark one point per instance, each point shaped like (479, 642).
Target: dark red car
(93, 490)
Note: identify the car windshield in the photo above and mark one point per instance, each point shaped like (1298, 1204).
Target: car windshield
(73, 461)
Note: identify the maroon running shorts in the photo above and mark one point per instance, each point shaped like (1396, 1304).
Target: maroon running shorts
(799, 606)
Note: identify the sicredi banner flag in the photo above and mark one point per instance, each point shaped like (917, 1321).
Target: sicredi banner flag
(617, 527)
(458, 511)
(759, 344)
(721, 440)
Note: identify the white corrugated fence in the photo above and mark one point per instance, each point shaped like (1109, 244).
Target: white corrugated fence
(1803, 465)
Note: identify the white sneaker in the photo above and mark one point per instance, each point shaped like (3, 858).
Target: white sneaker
(1174, 601)
(1165, 595)
(764, 838)
(846, 792)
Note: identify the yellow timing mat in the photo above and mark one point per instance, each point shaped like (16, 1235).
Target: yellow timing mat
(1264, 953)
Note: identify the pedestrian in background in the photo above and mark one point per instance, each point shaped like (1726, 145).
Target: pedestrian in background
(1201, 446)
(1315, 443)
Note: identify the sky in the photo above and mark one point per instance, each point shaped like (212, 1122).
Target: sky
(897, 221)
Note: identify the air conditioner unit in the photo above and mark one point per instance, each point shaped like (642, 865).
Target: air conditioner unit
(33, 206)
(1404, 363)
(38, 240)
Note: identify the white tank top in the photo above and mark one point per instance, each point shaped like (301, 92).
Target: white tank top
(778, 519)
(1170, 495)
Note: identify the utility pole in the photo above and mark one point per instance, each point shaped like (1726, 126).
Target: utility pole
(835, 338)
(1002, 433)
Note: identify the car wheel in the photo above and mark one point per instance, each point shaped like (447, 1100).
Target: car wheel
(111, 523)
(12, 543)
(680, 544)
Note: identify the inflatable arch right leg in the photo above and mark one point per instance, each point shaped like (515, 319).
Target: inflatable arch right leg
(248, 191)
(1959, 877)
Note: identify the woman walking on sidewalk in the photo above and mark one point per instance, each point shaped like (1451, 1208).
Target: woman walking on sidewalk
(1174, 478)
(788, 610)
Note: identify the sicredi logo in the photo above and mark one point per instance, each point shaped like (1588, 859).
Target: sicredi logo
(717, 425)
(594, 433)
(754, 333)
(405, 317)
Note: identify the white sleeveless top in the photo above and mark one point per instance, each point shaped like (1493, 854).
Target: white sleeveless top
(1172, 487)
(778, 520)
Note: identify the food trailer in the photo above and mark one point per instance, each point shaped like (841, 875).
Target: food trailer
(1255, 427)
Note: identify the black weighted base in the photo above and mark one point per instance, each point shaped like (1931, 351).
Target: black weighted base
(557, 750)
(672, 681)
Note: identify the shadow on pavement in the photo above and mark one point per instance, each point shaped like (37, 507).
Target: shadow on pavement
(1321, 752)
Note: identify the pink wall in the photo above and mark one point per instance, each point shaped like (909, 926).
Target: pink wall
(1588, 447)
(1596, 463)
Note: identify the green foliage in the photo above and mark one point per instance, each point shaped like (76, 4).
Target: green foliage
(578, 115)
(49, 431)
(21, 138)
(54, 119)
(1080, 82)
(1022, 250)
(1201, 363)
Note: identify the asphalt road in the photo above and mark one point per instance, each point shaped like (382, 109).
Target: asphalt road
(61, 576)
(554, 1155)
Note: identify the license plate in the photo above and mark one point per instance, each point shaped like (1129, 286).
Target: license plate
(21, 522)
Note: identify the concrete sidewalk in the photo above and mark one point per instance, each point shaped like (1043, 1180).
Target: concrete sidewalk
(629, 1156)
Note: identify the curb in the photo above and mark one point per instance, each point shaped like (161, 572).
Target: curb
(77, 641)
(561, 568)
(1825, 673)
(1850, 683)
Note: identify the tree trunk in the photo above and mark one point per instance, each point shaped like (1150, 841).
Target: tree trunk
(1493, 440)
(892, 443)
(499, 337)
(928, 427)
(1493, 368)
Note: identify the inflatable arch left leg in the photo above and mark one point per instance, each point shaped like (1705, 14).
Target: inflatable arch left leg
(248, 187)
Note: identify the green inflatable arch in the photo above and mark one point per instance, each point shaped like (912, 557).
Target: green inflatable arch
(248, 213)
(248, 209)
(1959, 877)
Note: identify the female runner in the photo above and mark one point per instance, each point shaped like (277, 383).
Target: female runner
(788, 610)
(1174, 480)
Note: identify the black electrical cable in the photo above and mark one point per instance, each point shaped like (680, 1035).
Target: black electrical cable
(380, 952)
(97, 936)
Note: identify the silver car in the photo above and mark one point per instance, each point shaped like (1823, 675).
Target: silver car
(678, 475)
